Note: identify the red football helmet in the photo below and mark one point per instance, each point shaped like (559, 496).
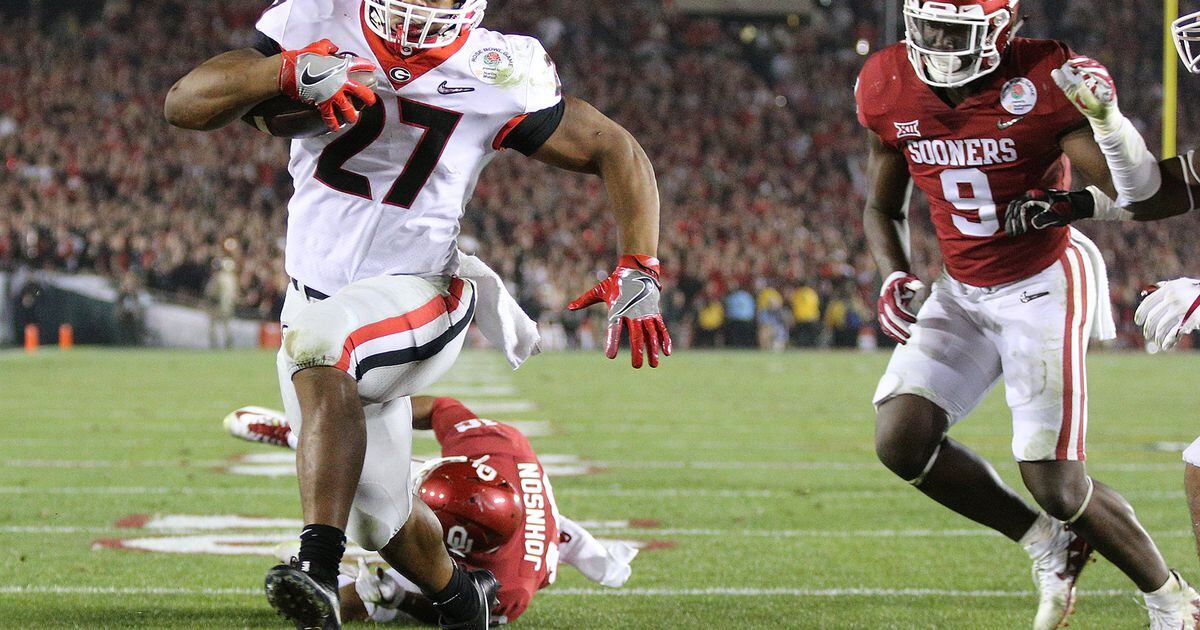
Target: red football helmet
(953, 42)
(479, 510)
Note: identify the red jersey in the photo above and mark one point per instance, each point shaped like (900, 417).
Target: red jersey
(529, 561)
(973, 159)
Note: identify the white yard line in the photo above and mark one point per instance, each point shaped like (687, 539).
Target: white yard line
(588, 592)
(616, 465)
(565, 491)
(624, 531)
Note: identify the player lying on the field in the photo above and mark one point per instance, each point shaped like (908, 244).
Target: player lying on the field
(970, 113)
(496, 506)
(379, 301)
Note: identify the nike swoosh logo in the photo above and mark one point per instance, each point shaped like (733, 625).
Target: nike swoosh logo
(444, 88)
(1026, 298)
(647, 284)
(308, 78)
(1002, 125)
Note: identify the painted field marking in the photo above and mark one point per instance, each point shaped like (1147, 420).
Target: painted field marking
(487, 407)
(613, 464)
(485, 388)
(555, 470)
(587, 592)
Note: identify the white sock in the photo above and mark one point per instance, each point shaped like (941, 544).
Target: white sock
(1042, 531)
(1165, 592)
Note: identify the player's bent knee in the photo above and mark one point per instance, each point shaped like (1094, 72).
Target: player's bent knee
(1062, 501)
(377, 515)
(908, 433)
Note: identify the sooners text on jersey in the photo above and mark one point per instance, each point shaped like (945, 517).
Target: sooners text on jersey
(529, 561)
(385, 196)
(973, 159)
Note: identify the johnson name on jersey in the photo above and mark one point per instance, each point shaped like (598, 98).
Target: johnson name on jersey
(385, 197)
(529, 561)
(971, 160)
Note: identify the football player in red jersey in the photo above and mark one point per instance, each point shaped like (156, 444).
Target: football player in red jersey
(482, 460)
(970, 113)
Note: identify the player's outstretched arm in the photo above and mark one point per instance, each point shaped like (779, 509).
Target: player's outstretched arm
(587, 141)
(222, 89)
(1176, 192)
(885, 221)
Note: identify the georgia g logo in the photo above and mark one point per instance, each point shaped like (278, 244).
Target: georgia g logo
(399, 74)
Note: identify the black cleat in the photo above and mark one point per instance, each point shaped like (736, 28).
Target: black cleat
(485, 588)
(296, 595)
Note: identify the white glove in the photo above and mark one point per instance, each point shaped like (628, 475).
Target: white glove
(1090, 87)
(1170, 311)
(376, 587)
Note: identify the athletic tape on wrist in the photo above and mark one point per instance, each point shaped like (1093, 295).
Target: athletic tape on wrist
(1135, 172)
(1086, 501)
(1106, 209)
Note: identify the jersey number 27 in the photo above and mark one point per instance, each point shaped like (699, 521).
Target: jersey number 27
(439, 125)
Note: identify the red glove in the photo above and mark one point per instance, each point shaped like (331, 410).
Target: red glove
(896, 315)
(316, 75)
(632, 294)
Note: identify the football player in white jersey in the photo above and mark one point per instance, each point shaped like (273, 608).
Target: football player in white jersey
(375, 311)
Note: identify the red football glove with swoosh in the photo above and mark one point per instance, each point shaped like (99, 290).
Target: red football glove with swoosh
(316, 75)
(896, 314)
(632, 294)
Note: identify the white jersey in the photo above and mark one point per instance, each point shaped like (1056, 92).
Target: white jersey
(385, 197)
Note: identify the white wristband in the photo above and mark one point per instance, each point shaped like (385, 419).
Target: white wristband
(1134, 168)
(1107, 209)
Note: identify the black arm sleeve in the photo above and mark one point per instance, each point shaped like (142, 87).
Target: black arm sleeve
(530, 134)
(265, 45)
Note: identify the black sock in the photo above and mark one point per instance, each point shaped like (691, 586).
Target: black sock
(458, 600)
(321, 549)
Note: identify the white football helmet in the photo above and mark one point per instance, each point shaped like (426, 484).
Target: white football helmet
(1187, 34)
(953, 42)
(414, 26)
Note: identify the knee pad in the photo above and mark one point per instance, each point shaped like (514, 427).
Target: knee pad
(316, 336)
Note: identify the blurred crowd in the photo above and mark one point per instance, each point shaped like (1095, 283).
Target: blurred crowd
(750, 125)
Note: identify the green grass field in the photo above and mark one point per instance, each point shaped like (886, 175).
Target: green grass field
(757, 471)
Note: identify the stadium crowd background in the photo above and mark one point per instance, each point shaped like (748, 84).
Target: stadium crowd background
(749, 122)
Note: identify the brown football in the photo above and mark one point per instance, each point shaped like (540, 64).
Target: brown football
(283, 117)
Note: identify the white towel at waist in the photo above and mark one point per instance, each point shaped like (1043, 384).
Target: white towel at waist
(1104, 327)
(497, 314)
